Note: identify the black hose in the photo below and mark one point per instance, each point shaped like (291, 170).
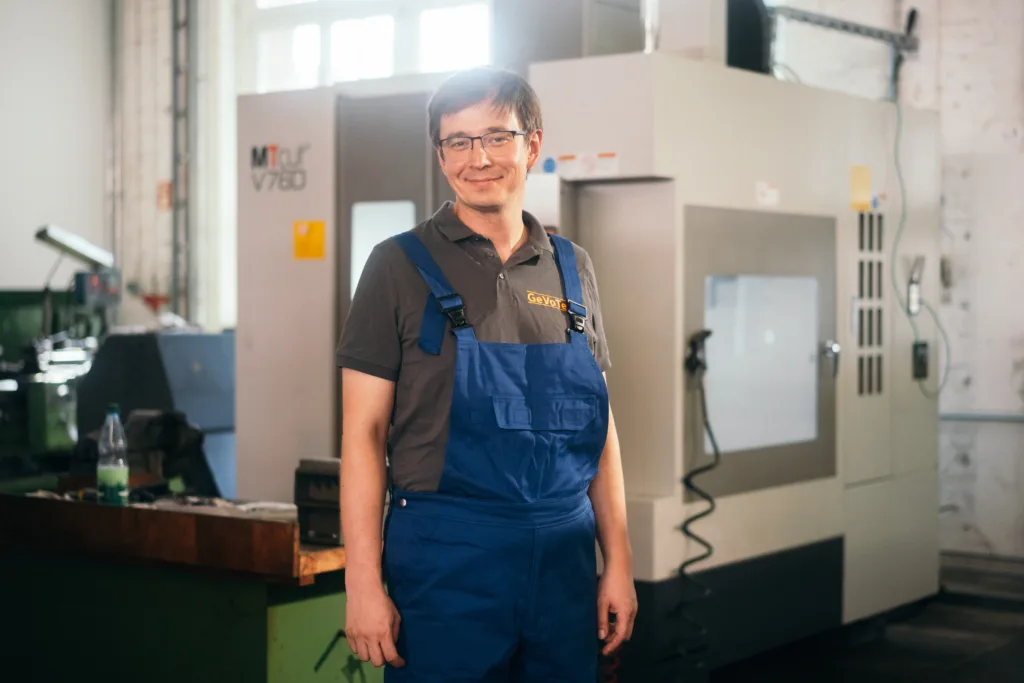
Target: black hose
(691, 642)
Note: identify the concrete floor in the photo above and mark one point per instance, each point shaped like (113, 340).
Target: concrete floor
(972, 633)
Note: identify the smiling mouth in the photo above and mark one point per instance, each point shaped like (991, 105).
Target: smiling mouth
(483, 181)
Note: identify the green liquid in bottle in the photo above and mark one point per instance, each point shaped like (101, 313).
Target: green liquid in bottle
(112, 484)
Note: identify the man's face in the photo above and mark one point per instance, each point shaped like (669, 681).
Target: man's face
(486, 174)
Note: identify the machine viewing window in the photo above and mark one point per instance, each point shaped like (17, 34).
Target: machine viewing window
(372, 223)
(762, 356)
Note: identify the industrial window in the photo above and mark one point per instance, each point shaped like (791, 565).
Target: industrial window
(288, 58)
(455, 37)
(265, 4)
(363, 48)
(298, 44)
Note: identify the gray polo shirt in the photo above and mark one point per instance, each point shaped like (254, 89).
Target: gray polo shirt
(517, 302)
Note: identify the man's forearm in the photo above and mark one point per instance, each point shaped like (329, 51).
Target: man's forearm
(608, 496)
(363, 481)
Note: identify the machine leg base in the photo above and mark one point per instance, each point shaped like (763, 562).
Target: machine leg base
(754, 606)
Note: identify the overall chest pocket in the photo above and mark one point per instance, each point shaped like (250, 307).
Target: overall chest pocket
(544, 413)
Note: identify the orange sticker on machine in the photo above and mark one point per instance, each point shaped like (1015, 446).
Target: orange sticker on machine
(546, 300)
(308, 240)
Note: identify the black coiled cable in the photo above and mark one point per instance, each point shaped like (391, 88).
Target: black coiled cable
(691, 643)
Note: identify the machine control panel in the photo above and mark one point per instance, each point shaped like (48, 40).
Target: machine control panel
(98, 290)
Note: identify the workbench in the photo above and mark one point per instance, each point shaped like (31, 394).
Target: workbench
(152, 594)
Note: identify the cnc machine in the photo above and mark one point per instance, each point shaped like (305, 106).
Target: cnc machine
(769, 214)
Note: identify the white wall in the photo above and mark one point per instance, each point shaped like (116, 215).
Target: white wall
(971, 69)
(55, 116)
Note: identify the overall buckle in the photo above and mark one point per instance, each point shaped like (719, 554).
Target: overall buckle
(456, 313)
(577, 316)
(458, 317)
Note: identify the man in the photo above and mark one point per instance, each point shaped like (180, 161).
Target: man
(474, 355)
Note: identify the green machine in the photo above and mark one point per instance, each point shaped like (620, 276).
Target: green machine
(47, 342)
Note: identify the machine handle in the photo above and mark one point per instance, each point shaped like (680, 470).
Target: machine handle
(832, 350)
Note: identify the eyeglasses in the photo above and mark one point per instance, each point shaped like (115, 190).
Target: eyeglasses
(496, 142)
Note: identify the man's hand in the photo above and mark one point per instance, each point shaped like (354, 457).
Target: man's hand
(616, 595)
(371, 620)
(371, 626)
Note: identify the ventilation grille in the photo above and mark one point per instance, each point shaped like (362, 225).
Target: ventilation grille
(870, 307)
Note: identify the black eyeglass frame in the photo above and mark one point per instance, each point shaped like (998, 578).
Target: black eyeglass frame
(471, 138)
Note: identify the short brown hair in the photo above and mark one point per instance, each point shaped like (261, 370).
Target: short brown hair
(508, 91)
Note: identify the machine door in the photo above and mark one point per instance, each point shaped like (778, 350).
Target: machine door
(388, 182)
(388, 178)
(764, 285)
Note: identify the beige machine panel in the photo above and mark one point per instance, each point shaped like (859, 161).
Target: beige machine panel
(285, 379)
(660, 133)
(629, 232)
(868, 377)
(890, 533)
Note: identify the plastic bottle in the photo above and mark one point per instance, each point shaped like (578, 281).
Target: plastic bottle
(112, 467)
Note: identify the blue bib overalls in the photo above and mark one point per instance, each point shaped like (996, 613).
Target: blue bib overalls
(494, 575)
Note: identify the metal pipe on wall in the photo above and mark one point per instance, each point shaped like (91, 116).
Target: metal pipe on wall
(175, 142)
(116, 139)
(1005, 418)
(650, 11)
(192, 175)
(183, 89)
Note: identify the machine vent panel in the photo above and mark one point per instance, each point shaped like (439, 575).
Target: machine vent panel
(870, 302)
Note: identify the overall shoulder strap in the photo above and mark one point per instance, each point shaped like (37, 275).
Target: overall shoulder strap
(566, 255)
(443, 304)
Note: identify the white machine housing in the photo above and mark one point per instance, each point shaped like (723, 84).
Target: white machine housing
(648, 138)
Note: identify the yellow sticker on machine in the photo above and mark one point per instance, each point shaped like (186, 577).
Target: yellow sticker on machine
(860, 188)
(308, 239)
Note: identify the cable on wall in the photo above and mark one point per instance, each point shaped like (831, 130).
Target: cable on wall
(903, 301)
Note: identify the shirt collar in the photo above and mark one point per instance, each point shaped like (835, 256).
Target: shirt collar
(455, 230)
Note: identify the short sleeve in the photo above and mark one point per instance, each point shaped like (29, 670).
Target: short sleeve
(593, 303)
(370, 340)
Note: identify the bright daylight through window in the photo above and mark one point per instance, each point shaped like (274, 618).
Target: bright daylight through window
(288, 58)
(455, 37)
(297, 44)
(363, 48)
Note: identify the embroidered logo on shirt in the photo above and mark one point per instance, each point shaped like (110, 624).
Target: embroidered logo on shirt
(546, 300)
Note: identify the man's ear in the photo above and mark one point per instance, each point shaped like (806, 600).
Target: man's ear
(533, 145)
